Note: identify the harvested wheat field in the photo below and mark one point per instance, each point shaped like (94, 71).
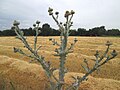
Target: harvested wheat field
(24, 75)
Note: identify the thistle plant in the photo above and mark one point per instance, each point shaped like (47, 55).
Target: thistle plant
(33, 51)
(62, 51)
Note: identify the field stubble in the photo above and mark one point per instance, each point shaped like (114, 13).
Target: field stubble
(85, 48)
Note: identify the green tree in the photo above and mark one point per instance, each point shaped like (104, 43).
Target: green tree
(113, 32)
(82, 32)
(1, 33)
(97, 31)
(8, 32)
(46, 30)
(73, 32)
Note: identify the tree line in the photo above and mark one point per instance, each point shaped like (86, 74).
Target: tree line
(46, 30)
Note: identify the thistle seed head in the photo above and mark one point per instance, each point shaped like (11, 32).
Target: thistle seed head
(56, 13)
(50, 13)
(97, 53)
(50, 9)
(34, 25)
(72, 12)
(16, 23)
(108, 43)
(71, 22)
(67, 13)
(75, 40)
(37, 22)
(64, 24)
(114, 53)
(15, 50)
(50, 39)
(39, 28)
(61, 23)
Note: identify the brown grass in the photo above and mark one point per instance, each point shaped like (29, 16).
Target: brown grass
(27, 76)
(85, 48)
(22, 74)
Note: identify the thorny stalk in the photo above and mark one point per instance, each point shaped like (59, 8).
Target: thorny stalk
(34, 52)
(99, 61)
(63, 50)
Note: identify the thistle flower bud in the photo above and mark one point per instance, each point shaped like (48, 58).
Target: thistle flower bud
(64, 24)
(16, 23)
(50, 39)
(71, 22)
(114, 53)
(108, 43)
(50, 9)
(34, 25)
(50, 13)
(39, 28)
(15, 50)
(61, 23)
(37, 22)
(97, 53)
(72, 12)
(75, 40)
(56, 13)
(67, 13)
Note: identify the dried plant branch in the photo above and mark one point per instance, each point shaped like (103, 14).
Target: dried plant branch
(98, 63)
(34, 51)
(62, 51)
(54, 42)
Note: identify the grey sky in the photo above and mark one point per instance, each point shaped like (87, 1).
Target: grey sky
(89, 13)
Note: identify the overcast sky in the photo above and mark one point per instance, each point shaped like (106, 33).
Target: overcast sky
(88, 13)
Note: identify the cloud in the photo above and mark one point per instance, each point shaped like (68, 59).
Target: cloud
(89, 13)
